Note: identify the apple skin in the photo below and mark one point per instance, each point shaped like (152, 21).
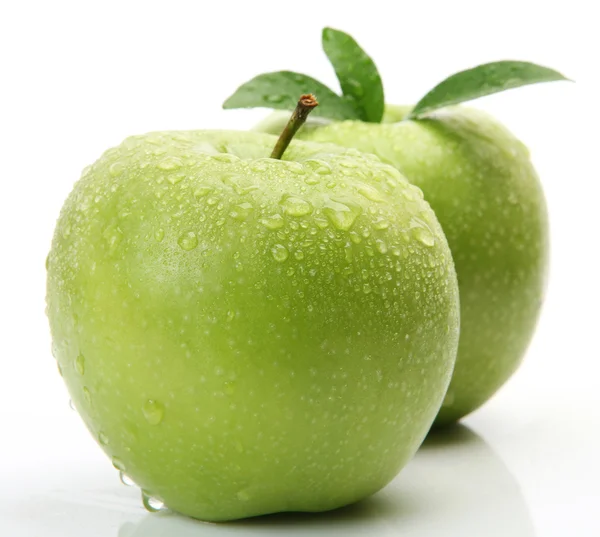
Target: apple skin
(485, 192)
(244, 335)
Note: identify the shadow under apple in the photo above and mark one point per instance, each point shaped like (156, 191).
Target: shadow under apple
(455, 486)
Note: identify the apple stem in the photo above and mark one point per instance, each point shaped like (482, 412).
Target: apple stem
(303, 108)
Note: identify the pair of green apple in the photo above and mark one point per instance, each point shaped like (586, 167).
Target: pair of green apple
(246, 335)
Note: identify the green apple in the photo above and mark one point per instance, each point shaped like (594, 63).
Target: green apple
(244, 335)
(479, 180)
(477, 177)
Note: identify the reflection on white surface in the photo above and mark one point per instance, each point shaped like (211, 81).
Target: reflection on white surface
(455, 486)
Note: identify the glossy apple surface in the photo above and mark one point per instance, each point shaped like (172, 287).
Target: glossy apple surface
(245, 335)
(485, 192)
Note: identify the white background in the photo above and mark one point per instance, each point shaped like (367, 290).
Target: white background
(77, 77)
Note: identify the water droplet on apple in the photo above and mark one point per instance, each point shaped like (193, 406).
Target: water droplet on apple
(273, 222)
(424, 236)
(381, 246)
(159, 235)
(80, 364)
(259, 165)
(280, 253)
(372, 194)
(295, 167)
(311, 180)
(87, 395)
(116, 168)
(71, 404)
(151, 504)
(299, 254)
(318, 166)
(202, 191)
(296, 206)
(153, 411)
(188, 241)
(241, 211)
(176, 178)
(59, 369)
(408, 194)
(381, 223)
(366, 288)
(322, 223)
(341, 215)
(103, 439)
(170, 163)
(118, 464)
(126, 480)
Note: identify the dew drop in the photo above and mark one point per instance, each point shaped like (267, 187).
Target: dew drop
(372, 194)
(341, 215)
(159, 235)
(381, 223)
(87, 395)
(322, 223)
(381, 246)
(202, 191)
(242, 211)
(273, 222)
(424, 236)
(318, 166)
(59, 369)
(153, 411)
(259, 165)
(126, 480)
(296, 206)
(116, 168)
(170, 163)
(71, 404)
(103, 439)
(355, 237)
(150, 503)
(280, 253)
(80, 364)
(188, 241)
(118, 464)
(295, 167)
(176, 178)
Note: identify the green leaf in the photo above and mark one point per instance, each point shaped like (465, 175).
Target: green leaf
(282, 89)
(357, 73)
(483, 80)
